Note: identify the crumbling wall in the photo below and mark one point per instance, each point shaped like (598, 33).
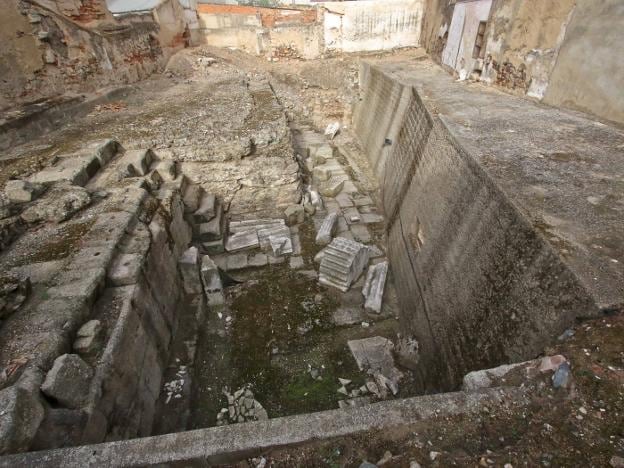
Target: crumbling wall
(51, 48)
(309, 32)
(477, 285)
(523, 40)
(559, 51)
(273, 32)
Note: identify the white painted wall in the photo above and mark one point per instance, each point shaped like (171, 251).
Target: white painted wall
(463, 32)
(372, 24)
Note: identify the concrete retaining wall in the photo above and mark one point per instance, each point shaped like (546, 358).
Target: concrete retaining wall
(477, 285)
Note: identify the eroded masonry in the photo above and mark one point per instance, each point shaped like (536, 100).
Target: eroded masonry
(234, 235)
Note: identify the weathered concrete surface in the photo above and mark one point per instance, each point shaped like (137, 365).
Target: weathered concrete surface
(237, 442)
(525, 236)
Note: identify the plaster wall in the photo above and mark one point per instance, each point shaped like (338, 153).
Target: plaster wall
(589, 74)
(372, 25)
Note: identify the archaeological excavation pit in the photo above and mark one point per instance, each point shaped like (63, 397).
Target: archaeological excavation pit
(241, 261)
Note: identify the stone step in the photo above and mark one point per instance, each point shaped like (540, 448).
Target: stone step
(166, 169)
(192, 198)
(137, 163)
(209, 207)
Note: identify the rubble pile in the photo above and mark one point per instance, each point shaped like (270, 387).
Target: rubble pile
(242, 407)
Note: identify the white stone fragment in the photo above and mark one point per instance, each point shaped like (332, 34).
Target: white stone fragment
(374, 287)
(280, 245)
(326, 231)
(342, 263)
(242, 240)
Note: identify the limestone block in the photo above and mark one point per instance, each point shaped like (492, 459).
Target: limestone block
(208, 209)
(211, 230)
(68, 381)
(192, 198)
(88, 337)
(342, 263)
(213, 247)
(166, 169)
(189, 267)
(374, 287)
(280, 245)
(60, 203)
(258, 260)
(242, 240)
(21, 413)
(137, 162)
(256, 224)
(22, 191)
(294, 214)
(264, 235)
(331, 187)
(327, 229)
(210, 275)
(124, 269)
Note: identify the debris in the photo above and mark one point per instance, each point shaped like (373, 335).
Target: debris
(294, 214)
(374, 287)
(561, 377)
(342, 263)
(326, 231)
(280, 245)
(332, 129)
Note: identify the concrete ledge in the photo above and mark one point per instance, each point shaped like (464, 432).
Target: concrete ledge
(231, 443)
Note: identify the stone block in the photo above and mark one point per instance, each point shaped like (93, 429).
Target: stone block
(242, 240)
(211, 230)
(189, 267)
(342, 263)
(371, 218)
(237, 262)
(374, 287)
(21, 413)
(294, 214)
(327, 229)
(210, 275)
(137, 162)
(88, 338)
(213, 247)
(77, 169)
(360, 233)
(296, 262)
(124, 269)
(280, 245)
(344, 200)
(265, 234)
(258, 260)
(60, 203)
(192, 198)
(22, 191)
(257, 224)
(68, 381)
(208, 208)
(166, 169)
(60, 428)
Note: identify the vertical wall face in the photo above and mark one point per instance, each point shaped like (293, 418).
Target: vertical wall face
(459, 52)
(477, 286)
(372, 25)
(589, 73)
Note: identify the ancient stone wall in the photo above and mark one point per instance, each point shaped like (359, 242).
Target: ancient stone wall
(477, 285)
